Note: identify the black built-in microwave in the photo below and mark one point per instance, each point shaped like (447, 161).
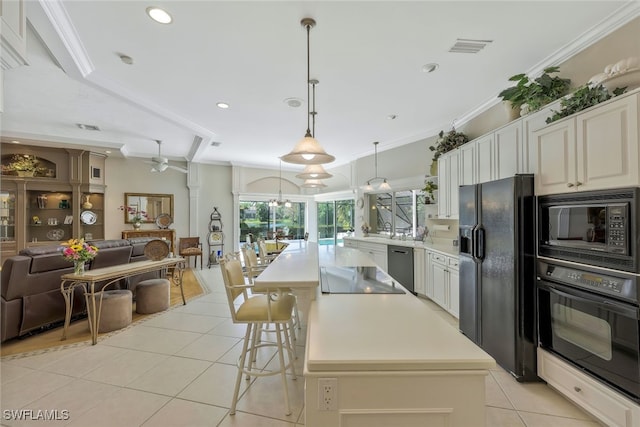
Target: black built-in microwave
(598, 228)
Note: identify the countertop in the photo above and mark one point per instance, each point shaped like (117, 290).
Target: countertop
(443, 246)
(382, 332)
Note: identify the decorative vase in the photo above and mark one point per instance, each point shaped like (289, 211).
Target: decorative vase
(512, 113)
(87, 204)
(78, 267)
(137, 225)
(433, 171)
(25, 174)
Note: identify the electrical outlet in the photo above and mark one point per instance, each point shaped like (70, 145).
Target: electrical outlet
(327, 394)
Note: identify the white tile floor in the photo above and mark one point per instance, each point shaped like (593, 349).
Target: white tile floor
(178, 369)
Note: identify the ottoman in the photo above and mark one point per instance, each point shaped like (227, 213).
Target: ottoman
(116, 310)
(152, 296)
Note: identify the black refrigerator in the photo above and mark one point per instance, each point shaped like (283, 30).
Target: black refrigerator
(497, 271)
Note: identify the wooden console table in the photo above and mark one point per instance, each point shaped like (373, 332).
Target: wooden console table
(89, 278)
(167, 233)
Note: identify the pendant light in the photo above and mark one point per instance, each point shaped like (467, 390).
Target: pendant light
(314, 171)
(308, 151)
(279, 202)
(384, 185)
(313, 183)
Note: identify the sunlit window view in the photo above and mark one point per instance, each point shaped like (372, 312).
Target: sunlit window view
(335, 220)
(398, 213)
(261, 220)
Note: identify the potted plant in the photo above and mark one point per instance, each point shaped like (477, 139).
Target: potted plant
(445, 143)
(25, 165)
(531, 95)
(429, 188)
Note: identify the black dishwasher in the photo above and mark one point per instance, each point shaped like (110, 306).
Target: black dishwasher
(400, 262)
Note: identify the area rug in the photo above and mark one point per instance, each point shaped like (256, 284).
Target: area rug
(78, 333)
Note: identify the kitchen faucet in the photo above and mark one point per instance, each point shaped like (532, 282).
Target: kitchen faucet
(384, 225)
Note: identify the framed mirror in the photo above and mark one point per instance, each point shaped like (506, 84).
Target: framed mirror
(146, 206)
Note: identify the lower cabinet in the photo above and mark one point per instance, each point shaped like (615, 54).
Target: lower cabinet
(443, 281)
(377, 251)
(419, 271)
(609, 407)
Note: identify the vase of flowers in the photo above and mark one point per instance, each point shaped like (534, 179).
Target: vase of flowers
(79, 252)
(365, 229)
(134, 215)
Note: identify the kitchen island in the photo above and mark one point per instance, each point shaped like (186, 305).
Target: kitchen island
(380, 359)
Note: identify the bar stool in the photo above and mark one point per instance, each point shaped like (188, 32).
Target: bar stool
(255, 311)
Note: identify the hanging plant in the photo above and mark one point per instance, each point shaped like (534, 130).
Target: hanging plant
(429, 188)
(447, 142)
(586, 96)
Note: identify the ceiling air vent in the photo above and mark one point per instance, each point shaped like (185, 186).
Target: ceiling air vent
(215, 144)
(469, 45)
(87, 127)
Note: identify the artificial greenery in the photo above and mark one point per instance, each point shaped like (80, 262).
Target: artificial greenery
(586, 96)
(535, 93)
(429, 188)
(447, 142)
(25, 163)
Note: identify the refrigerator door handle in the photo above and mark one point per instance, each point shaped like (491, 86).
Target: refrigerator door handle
(478, 243)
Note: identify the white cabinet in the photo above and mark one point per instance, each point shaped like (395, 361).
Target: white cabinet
(484, 158)
(597, 149)
(428, 285)
(377, 252)
(448, 175)
(531, 123)
(508, 150)
(350, 243)
(611, 408)
(419, 271)
(443, 281)
(468, 165)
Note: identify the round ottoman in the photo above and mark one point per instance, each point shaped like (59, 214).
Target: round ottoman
(116, 310)
(152, 296)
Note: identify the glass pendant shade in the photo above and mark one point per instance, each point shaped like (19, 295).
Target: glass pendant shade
(314, 172)
(308, 152)
(313, 183)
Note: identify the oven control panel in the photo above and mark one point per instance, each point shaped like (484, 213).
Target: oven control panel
(593, 281)
(617, 228)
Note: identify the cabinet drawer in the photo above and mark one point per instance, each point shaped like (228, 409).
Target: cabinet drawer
(441, 259)
(372, 247)
(452, 262)
(348, 243)
(606, 405)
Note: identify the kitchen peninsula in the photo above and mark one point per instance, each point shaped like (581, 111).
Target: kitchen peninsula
(387, 359)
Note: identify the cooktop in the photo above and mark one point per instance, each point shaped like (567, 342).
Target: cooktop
(357, 280)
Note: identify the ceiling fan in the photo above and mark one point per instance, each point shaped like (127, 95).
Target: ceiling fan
(160, 164)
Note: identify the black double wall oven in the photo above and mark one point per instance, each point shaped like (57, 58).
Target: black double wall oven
(589, 283)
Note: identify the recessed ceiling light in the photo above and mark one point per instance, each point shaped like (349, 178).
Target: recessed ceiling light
(107, 151)
(159, 15)
(222, 105)
(125, 59)
(87, 127)
(430, 68)
(15, 142)
(392, 117)
(293, 102)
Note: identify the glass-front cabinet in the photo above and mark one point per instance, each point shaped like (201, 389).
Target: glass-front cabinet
(8, 220)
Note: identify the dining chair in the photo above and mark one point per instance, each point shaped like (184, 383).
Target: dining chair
(256, 311)
(191, 247)
(265, 257)
(252, 266)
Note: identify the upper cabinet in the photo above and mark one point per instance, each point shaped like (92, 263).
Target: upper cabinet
(448, 179)
(596, 149)
(13, 37)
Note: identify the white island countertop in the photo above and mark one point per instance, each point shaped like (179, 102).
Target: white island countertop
(382, 332)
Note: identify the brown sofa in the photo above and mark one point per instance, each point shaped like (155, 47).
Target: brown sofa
(30, 283)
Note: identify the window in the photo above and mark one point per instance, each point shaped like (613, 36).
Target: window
(335, 219)
(398, 213)
(257, 218)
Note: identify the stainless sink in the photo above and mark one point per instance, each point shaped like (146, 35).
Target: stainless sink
(357, 280)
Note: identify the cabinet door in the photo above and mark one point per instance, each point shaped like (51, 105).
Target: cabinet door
(428, 276)
(418, 272)
(556, 160)
(468, 164)
(607, 145)
(454, 292)
(452, 187)
(507, 146)
(440, 286)
(349, 243)
(485, 158)
(443, 185)
(531, 123)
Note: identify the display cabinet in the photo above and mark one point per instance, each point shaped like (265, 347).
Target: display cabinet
(49, 216)
(92, 216)
(7, 222)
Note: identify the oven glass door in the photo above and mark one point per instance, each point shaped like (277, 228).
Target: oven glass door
(592, 332)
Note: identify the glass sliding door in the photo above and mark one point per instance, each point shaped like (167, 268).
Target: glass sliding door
(261, 220)
(335, 220)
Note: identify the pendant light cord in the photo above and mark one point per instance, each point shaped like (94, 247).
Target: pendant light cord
(308, 78)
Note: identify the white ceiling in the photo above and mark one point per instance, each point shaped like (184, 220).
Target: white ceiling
(367, 56)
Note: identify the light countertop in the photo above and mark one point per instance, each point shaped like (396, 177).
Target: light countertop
(382, 332)
(443, 246)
